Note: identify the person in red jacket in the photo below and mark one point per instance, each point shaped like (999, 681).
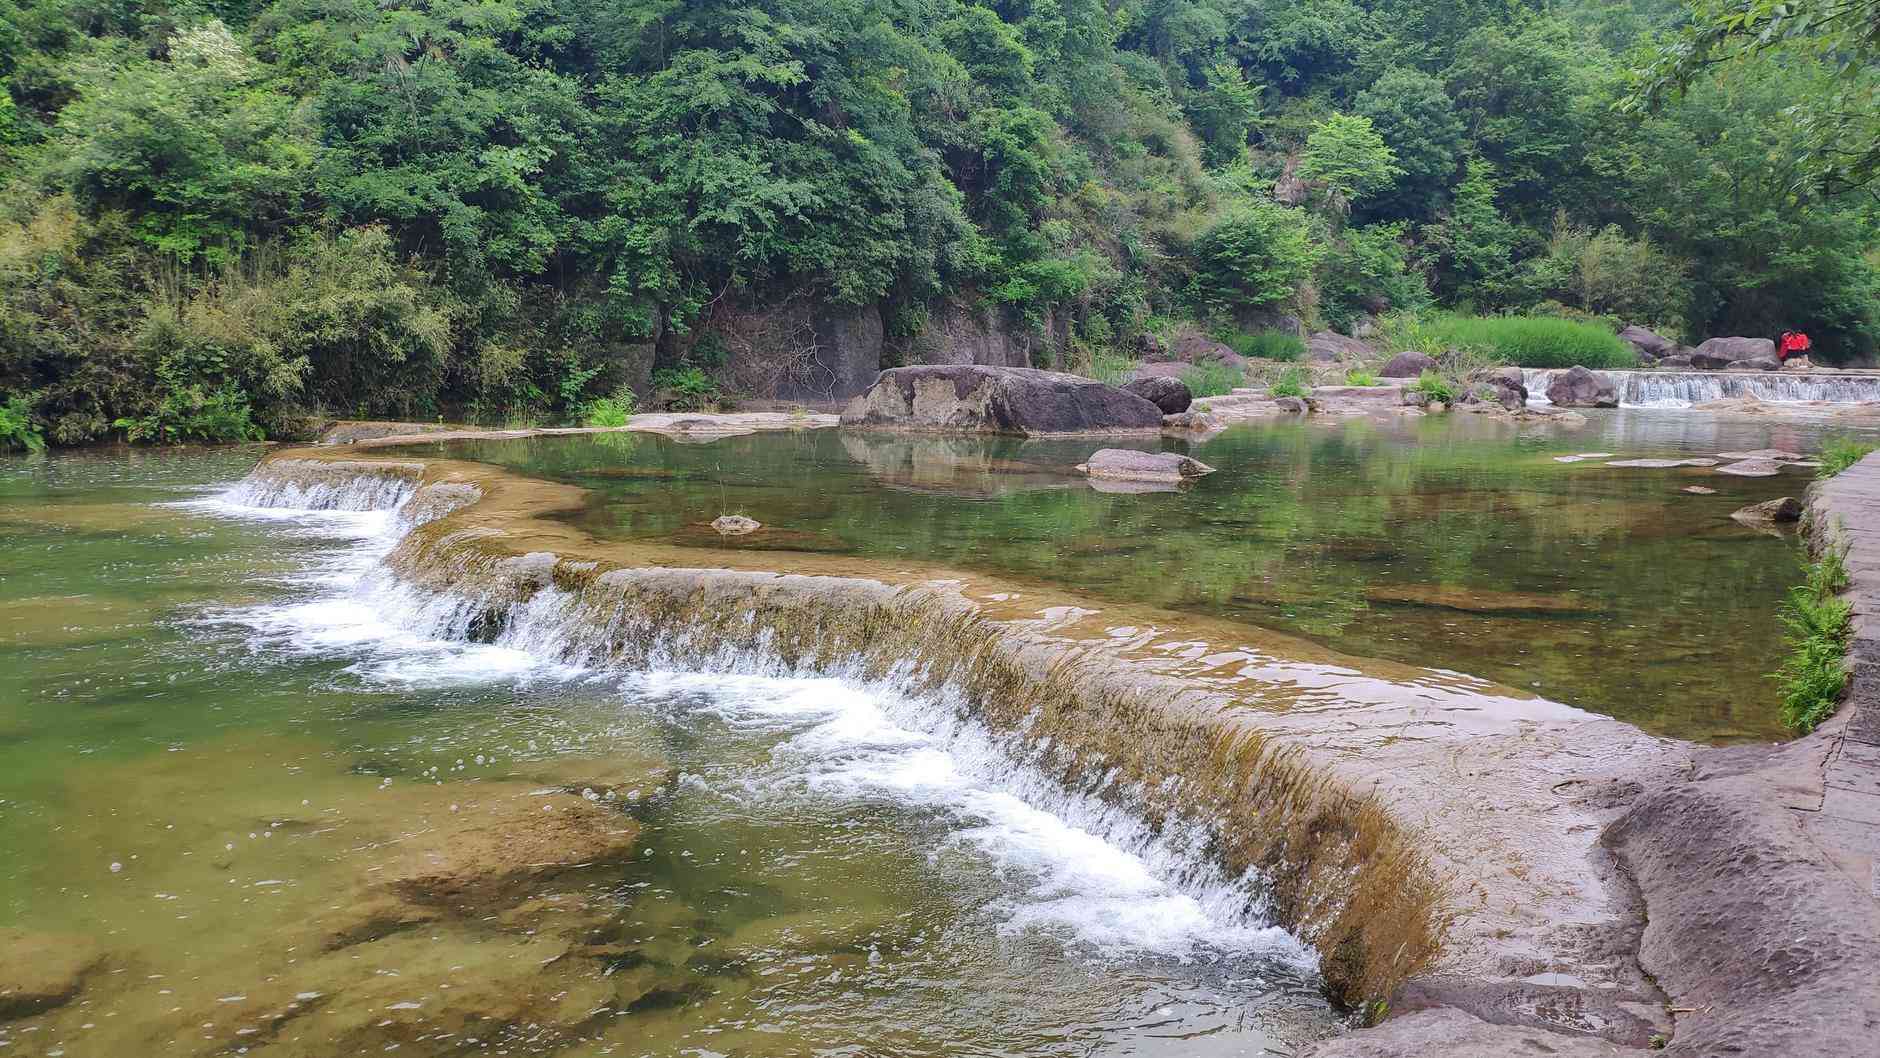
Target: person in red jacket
(1793, 343)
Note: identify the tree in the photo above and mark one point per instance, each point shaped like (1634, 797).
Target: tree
(1256, 255)
(1474, 246)
(1348, 160)
(1414, 116)
(1224, 111)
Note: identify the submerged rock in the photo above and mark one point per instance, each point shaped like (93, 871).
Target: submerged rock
(1781, 509)
(1577, 387)
(1012, 400)
(1126, 464)
(1172, 395)
(40, 971)
(1662, 464)
(1408, 365)
(736, 524)
(1700, 490)
(1752, 468)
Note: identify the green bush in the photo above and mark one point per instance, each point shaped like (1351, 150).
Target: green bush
(687, 388)
(1435, 386)
(1212, 378)
(1290, 383)
(1524, 341)
(1358, 376)
(610, 412)
(1263, 345)
(1258, 254)
(1818, 623)
(1842, 451)
(188, 414)
(17, 429)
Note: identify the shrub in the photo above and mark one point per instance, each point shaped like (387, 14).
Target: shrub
(188, 414)
(17, 429)
(1290, 383)
(1211, 378)
(609, 412)
(1525, 341)
(1263, 345)
(1818, 623)
(1108, 366)
(687, 388)
(1435, 386)
(1257, 255)
(1840, 452)
(1358, 376)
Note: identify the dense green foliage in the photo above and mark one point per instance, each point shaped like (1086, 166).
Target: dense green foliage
(506, 209)
(1818, 623)
(1211, 378)
(1842, 451)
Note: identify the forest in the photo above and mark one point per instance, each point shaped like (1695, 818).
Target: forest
(224, 219)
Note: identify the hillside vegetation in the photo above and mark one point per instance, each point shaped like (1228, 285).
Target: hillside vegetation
(229, 215)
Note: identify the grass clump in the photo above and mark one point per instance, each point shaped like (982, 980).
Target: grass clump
(1842, 451)
(610, 412)
(1358, 376)
(17, 429)
(1524, 341)
(1264, 345)
(1109, 367)
(189, 414)
(1290, 383)
(1211, 378)
(1435, 386)
(1818, 624)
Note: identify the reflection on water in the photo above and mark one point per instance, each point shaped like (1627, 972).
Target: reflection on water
(254, 809)
(1453, 542)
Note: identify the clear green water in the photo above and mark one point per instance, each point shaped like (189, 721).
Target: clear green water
(216, 737)
(1453, 542)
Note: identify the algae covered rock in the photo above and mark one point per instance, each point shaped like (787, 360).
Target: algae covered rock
(40, 971)
(1125, 464)
(1781, 509)
(1012, 400)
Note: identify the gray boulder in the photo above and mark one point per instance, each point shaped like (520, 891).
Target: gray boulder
(1761, 363)
(1170, 394)
(1650, 345)
(1506, 386)
(1408, 365)
(1195, 348)
(1125, 464)
(1675, 360)
(1013, 400)
(1717, 353)
(1293, 405)
(1331, 347)
(1577, 387)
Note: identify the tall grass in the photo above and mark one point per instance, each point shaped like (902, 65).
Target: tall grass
(1842, 451)
(1818, 624)
(1263, 345)
(1524, 341)
(1211, 378)
(1290, 383)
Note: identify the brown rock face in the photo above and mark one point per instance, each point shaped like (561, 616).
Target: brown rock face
(1008, 400)
(1332, 347)
(1125, 464)
(1170, 394)
(1408, 365)
(1577, 387)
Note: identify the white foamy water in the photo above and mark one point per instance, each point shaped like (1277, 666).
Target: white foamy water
(1076, 864)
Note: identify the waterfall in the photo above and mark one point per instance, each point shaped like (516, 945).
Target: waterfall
(1681, 389)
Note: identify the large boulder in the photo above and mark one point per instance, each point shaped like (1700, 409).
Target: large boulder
(1408, 365)
(1650, 345)
(1332, 347)
(1170, 394)
(1196, 348)
(1014, 400)
(1126, 464)
(1760, 363)
(1576, 387)
(1506, 386)
(1718, 353)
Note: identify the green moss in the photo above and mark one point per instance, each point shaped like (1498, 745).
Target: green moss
(1842, 451)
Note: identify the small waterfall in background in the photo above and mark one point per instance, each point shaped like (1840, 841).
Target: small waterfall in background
(1681, 389)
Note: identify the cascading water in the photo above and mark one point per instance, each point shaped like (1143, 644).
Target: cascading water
(1681, 389)
(1097, 871)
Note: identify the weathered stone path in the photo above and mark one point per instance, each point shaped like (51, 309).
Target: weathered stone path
(1846, 512)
